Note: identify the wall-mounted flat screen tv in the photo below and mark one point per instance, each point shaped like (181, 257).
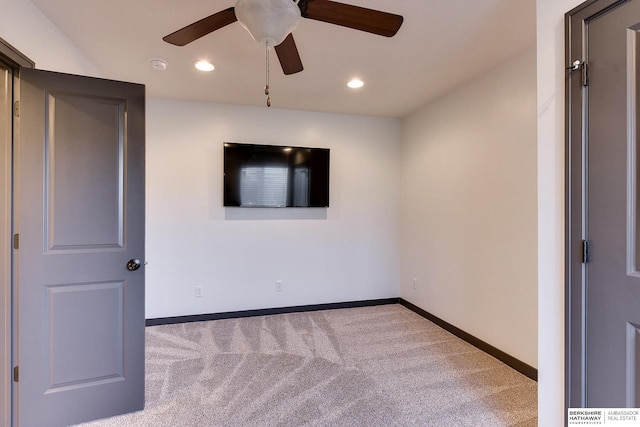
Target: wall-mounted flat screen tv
(275, 176)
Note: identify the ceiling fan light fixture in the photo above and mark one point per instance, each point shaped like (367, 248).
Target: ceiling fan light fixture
(268, 21)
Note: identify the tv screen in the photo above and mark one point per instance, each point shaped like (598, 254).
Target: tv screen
(275, 176)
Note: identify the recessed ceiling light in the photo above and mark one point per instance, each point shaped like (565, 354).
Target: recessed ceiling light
(355, 83)
(204, 66)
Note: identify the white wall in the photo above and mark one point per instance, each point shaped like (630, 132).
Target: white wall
(551, 304)
(24, 27)
(469, 208)
(193, 241)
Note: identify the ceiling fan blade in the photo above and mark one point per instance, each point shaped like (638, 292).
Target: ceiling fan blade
(288, 55)
(359, 18)
(202, 27)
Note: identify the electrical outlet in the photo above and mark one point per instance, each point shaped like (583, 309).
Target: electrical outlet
(198, 291)
(415, 283)
(279, 286)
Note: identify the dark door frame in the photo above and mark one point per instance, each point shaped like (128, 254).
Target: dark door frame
(576, 154)
(13, 57)
(14, 60)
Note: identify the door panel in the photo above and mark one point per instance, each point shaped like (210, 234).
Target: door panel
(84, 199)
(604, 293)
(101, 334)
(80, 211)
(613, 288)
(633, 365)
(606, 177)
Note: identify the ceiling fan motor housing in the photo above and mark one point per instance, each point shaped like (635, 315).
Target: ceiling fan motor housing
(268, 21)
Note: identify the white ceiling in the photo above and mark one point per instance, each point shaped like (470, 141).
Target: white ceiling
(441, 44)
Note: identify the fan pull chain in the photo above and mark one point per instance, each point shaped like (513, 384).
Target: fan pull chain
(266, 88)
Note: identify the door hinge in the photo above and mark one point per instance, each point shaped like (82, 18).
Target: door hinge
(585, 251)
(16, 241)
(584, 71)
(16, 109)
(16, 374)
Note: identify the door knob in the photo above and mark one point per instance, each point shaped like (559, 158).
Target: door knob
(133, 264)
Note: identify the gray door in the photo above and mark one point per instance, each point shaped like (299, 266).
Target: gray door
(79, 212)
(606, 192)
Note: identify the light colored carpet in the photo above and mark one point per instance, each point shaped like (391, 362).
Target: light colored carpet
(372, 366)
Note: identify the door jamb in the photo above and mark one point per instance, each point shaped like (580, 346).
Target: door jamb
(12, 58)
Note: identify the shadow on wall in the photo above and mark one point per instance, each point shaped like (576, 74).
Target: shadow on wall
(249, 214)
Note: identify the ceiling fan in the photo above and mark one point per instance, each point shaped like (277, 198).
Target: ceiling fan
(270, 22)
